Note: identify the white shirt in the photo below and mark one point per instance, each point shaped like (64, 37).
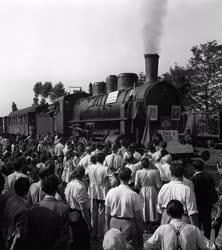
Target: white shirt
(85, 161)
(133, 168)
(188, 182)
(113, 161)
(136, 155)
(76, 195)
(156, 155)
(164, 169)
(11, 181)
(123, 201)
(190, 237)
(177, 190)
(99, 181)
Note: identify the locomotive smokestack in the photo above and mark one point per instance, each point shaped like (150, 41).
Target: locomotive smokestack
(151, 63)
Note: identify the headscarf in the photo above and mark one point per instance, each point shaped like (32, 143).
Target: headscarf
(114, 240)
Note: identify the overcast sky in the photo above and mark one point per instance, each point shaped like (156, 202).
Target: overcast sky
(82, 41)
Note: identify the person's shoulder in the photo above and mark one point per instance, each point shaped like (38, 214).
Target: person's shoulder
(11, 175)
(113, 191)
(64, 208)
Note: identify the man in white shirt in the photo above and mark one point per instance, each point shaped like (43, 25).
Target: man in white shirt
(164, 168)
(85, 161)
(113, 160)
(98, 189)
(178, 234)
(124, 210)
(177, 190)
(77, 198)
(11, 179)
(59, 148)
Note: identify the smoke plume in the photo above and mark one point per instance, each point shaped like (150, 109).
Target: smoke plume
(153, 15)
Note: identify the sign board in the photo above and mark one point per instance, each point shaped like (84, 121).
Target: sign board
(175, 113)
(153, 112)
(169, 135)
(112, 97)
(173, 145)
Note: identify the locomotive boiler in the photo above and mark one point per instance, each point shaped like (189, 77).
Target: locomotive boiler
(122, 107)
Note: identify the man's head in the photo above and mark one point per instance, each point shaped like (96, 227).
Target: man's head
(115, 148)
(18, 164)
(124, 174)
(22, 186)
(175, 209)
(177, 170)
(88, 150)
(198, 165)
(100, 157)
(50, 185)
(43, 172)
(145, 163)
(78, 172)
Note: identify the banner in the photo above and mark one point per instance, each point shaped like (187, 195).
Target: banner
(169, 135)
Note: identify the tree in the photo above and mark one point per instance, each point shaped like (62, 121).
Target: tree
(57, 91)
(43, 101)
(205, 66)
(90, 89)
(46, 89)
(14, 107)
(35, 101)
(180, 78)
(37, 89)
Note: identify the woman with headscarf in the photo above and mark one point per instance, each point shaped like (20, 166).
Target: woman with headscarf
(115, 240)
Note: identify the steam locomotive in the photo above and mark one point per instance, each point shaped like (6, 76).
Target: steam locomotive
(120, 107)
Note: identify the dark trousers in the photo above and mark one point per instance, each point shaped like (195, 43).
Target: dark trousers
(2, 243)
(98, 218)
(129, 229)
(19, 245)
(205, 221)
(80, 235)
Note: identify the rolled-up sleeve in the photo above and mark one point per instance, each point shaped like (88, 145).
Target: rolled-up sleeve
(203, 242)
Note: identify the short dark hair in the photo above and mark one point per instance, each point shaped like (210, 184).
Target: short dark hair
(145, 163)
(78, 172)
(198, 165)
(43, 172)
(123, 142)
(93, 159)
(175, 209)
(99, 146)
(51, 168)
(50, 184)
(177, 169)
(18, 164)
(131, 149)
(124, 174)
(100, 157)
(163, 152)
(22, 186)
(115, 148)
(2, 182)
(43, 158)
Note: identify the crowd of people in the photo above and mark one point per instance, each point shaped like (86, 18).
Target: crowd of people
(58, 195)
